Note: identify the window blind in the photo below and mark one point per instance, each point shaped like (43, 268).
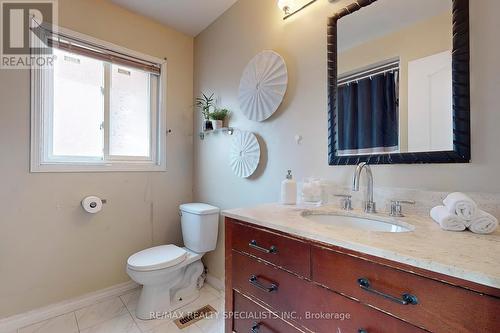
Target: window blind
(76, 46)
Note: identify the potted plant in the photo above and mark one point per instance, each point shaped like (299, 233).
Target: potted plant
(218, 117)
(205, 104)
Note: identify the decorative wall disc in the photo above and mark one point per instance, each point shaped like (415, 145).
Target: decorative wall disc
(244, 154)
(263, 85)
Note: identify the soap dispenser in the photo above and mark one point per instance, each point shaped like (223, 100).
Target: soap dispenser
(288, 190)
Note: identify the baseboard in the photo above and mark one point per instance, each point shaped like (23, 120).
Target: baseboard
(215, 282)
(11, 323)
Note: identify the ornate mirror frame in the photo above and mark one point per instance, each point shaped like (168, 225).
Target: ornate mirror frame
(461, 96)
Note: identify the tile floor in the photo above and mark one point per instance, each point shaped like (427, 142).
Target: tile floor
(116, 315)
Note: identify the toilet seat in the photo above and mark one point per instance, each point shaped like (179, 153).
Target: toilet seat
(156, 258)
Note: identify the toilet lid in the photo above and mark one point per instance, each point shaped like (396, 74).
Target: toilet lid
(157, 258)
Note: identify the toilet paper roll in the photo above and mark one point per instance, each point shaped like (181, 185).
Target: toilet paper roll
(92, 204)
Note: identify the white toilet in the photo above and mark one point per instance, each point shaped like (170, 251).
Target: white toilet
(170, 275)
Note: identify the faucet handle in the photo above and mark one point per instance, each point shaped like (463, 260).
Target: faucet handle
(397, 209)
(345, 202)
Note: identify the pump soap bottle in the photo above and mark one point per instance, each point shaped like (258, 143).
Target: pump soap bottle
(288, 190)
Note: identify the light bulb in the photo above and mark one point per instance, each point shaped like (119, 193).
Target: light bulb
(285, 6)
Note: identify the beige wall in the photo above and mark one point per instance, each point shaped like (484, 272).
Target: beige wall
(423, 39)
(250, 26)
(49, 249)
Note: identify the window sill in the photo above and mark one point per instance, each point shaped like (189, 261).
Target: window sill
(98, 167)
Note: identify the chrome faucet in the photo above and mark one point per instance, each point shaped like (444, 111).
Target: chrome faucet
(368, 203)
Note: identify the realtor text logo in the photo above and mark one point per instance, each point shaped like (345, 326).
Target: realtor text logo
(26, 26)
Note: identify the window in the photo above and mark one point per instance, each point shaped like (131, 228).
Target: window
(97, 109)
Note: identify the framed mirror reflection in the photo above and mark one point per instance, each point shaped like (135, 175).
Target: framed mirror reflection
(398, 82)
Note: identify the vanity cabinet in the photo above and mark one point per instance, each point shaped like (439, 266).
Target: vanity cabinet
(281, 283)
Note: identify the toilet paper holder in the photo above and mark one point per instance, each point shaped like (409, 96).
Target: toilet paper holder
(93, 204)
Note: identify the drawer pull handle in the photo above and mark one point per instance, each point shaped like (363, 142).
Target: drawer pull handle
(255, 282)
(255, 328)
(404, 300)
(362, 330)
(253, 244)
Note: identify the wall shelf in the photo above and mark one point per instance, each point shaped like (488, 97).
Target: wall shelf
(228, 130)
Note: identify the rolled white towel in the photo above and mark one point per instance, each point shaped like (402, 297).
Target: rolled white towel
(461, 205)
(483, 223)
(447, 220)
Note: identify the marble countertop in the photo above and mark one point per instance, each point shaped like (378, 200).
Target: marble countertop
(464, 255)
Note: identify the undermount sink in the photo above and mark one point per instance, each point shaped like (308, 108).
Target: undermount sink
(355, 222)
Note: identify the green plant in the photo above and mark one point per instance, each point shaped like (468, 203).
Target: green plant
(205, 103)
(219, 114)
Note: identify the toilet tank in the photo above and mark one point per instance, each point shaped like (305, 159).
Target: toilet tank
(200, 225)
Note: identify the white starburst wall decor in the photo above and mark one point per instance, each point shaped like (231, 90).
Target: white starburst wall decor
(263, 85)
(244, 154)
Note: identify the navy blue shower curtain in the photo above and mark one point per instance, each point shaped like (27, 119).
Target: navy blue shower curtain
(368, 115)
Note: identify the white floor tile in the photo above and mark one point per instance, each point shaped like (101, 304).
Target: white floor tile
(117, 315)
(131, 299)
(209, 289)
(215, 323)
(121, 324)
(148, 325)
(170, 327)
(61, 324)
(100, 312)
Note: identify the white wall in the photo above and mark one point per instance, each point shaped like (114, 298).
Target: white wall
(49, 249)
(250, 26)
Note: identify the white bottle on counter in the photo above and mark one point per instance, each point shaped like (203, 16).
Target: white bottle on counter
(288, 190)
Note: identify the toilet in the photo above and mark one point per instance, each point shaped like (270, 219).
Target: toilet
(171, 275)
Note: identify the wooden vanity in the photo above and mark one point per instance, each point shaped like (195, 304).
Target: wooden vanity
(281, 283)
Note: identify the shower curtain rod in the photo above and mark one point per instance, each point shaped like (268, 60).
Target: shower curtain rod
(364, 74)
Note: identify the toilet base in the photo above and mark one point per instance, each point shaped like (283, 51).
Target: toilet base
(169, 291)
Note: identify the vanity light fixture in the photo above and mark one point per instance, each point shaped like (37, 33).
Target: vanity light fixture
(290, 7)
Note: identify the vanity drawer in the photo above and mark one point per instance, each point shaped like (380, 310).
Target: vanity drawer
(441, 307)
(278, 289)
(310, 305)
(289, 253)
(251, 316)
(349, 316)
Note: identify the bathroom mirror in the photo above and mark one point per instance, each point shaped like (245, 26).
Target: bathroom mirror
(398, 82)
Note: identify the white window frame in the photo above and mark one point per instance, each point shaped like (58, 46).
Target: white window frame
(41, 81)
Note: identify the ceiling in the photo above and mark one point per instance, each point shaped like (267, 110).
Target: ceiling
(188, 16)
